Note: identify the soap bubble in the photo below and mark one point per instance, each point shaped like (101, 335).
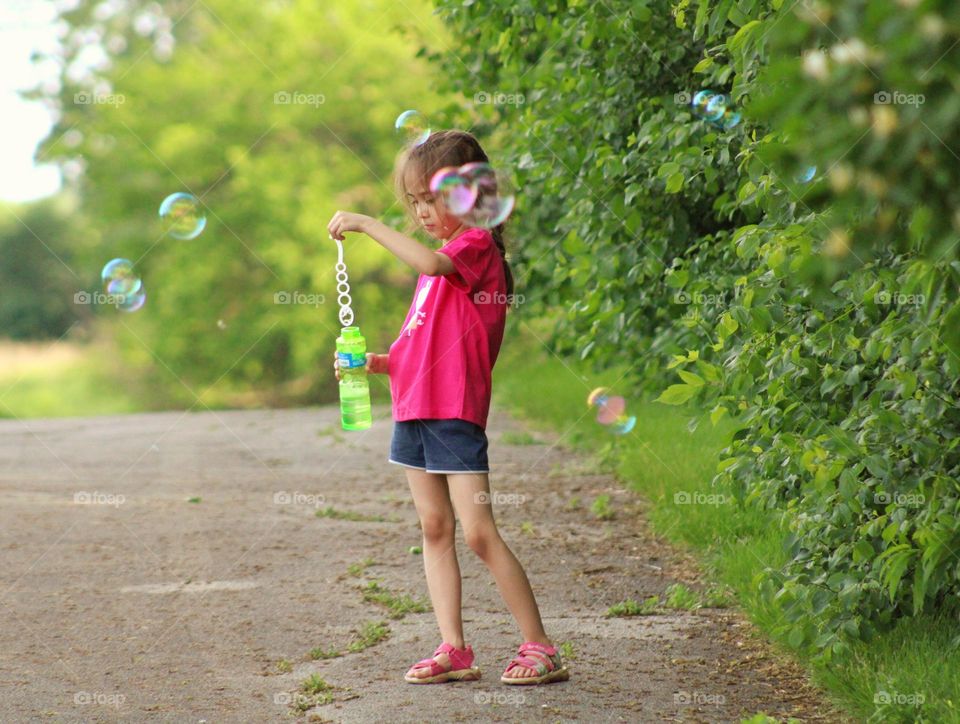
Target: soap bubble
(716, 108)
(611, 411)
(412, 125)
(117, 269)
(183, 215)
(458, 194)
(700, 101)
(495, 197)
(133, 302)
(123, 284)
(806, 175)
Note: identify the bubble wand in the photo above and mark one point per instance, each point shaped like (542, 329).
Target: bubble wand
(343, 288)
(351, 358)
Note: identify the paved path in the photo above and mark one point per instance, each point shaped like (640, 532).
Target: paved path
(141, 606)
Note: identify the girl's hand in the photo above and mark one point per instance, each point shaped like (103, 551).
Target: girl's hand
(375, 365)
(347, 221)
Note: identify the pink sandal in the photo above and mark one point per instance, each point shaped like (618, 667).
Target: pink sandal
(545, 660)
(461, 667)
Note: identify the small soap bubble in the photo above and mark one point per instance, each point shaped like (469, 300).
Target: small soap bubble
(412, 126)
(806, 175)
(124, 285)
(183, 216)
(716, 108)
(133, 302)
(117, 269)
(611, 411)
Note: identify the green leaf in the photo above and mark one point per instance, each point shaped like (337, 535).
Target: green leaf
(676, 394)
(741, 36)
(691, 378)
(677, 278)
(703, 65)
(716, 414)
(674, 183)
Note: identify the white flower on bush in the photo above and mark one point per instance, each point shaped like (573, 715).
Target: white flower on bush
(815, 64)
(851, 51)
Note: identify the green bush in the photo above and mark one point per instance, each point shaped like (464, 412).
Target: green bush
(821, 315)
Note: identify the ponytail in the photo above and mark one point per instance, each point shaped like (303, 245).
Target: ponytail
(497, 233)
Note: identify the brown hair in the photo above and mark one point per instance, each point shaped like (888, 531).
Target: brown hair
(441, 149)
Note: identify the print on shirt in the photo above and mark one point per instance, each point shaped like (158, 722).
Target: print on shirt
(417, 318)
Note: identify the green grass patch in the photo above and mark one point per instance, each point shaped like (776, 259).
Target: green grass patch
(519, 438)
(630, 607)
(314, 691)
(398, 605)
(370, 634)
(356, 569)
(69, 384)
(319, 654)
(351, 515)
(911, 673)
(682, 597)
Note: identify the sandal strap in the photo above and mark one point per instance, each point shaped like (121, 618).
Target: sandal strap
(527, 663)
(459, 659)
(528, 646)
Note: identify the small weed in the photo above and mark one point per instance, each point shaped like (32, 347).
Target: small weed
(398, 605)
(331, 512)
(318, 653)
(632, 608)
(371, 633)
(601, 507)
(718, 597)
(680, 596)
(356, 569)
(318, 692)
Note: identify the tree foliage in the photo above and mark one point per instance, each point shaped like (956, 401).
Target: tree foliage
(821, 315)
(275, 115)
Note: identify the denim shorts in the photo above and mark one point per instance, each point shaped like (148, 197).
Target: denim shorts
(439, 446)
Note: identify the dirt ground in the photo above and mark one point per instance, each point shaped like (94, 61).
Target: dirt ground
(124, 601)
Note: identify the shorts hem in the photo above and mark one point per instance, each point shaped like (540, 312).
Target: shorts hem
(455, 472)
(406, 465)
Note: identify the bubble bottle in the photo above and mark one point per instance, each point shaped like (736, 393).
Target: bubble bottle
(354, 387)
(355, 413)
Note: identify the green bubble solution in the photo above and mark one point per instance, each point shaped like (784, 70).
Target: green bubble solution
(354, 387)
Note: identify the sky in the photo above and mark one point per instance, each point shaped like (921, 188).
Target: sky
(25, 26)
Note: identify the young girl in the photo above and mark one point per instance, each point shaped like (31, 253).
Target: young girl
(439, 368)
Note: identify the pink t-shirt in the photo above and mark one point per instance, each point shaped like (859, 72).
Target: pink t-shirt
(440, 364)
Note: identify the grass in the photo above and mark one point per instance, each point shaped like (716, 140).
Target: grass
(356, 569)
(519, 438)
(397, 605)
(370, 634)
(601, 507)
(314, 691)
(911, 673)
(61, 379)
(333, 513)
(648, 607)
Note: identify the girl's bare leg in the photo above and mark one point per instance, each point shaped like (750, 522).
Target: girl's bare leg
(432, 501)
(470, 494)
